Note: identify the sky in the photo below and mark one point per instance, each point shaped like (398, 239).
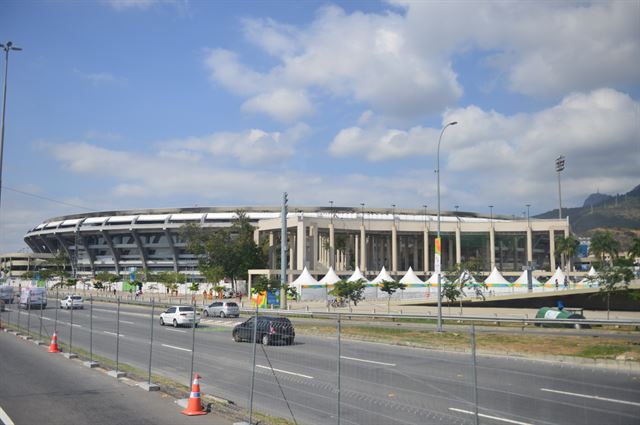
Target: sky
(124, 104)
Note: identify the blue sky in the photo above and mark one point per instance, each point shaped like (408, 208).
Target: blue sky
(142, 103)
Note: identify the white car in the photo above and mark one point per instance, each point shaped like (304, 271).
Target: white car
(179, 315)
(72, 301)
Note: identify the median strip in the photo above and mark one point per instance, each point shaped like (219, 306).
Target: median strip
(367, 361)
(495, 418)
(176, 348)
(284, 371)
(594, 397)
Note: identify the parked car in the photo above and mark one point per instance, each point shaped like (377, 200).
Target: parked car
(270, 330)
(72, 301)
(6, 293)
(32, 298)
(180, 315)
(222, 309)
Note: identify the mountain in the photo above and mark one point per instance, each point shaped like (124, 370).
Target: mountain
(601, 211)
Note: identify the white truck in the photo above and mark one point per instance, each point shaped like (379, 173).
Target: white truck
(33, 297)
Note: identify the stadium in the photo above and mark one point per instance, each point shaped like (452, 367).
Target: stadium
(318, 238)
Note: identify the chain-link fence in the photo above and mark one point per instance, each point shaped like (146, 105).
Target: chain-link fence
(348, 368)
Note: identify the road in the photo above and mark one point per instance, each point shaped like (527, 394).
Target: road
(42, 388)
(379, 383)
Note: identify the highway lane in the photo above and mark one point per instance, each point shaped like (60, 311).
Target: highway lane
(380, 383)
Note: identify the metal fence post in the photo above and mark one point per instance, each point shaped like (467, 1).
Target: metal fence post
(29, 314)
(91, 329)
(71, 327)
(193, 341)
(41, 314)
(253, 366)
(474, 373)
(18, 324)
(55, 321)
(338, 326)
(118, 337)
(153, 306)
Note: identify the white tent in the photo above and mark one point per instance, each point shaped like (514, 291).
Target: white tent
(415, 287)
(496, 280)
(522, 281)
(357, 275)
(410, 279)
(383, 276)
(591, 280)
(558, 277)
(330, 278)
(433, 280)
(307, 287)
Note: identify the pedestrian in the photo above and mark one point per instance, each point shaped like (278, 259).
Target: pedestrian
(566, 283)
(114, 292)
(556, 284)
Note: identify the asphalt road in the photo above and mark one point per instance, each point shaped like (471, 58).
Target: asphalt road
(379, 384)
(41, 388)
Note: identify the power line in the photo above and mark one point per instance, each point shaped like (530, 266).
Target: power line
(47, 199)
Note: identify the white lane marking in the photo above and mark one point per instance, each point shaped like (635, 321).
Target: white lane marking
(175, 330)
(129, 323)
(113, 333)
(367, 361)
(75, 325)
(46, 318)
(284, 371)
(595, 397)
(176, 348)
(495, 418)
(4, 418)
(106, 311)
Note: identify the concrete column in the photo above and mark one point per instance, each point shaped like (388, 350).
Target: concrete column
(332, 246)
(529, 244)
(301, 246)
(363, 248)
(272, 256)
(356, 245)
(552, 250)
(394, 248)
(492, 246)
(292, 253)
(314, 257)
(256, 236)
(425, 244)
(458, 246)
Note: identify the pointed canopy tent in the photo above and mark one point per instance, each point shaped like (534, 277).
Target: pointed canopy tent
(522, 281)
(557, 276)
(330, 278)
(433, 280)
(308, 288)
(496, 280)
(357, 275)
(383, 276)
(590, 280)
(410, 279)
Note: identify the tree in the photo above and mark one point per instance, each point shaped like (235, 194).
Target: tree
(107, 278)
(230, 250)
(463, 276)
(450, 291)
(171, 280)
(390, 287)
(603, 243)
(264, 283)
(29, 274)
(613, 277)
(350, 291)
(57, 267)
(568, 247)
(634, 250)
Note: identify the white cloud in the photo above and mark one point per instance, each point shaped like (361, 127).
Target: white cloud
(246, 147)
(399, 63)
(489, 153)
(282, 104)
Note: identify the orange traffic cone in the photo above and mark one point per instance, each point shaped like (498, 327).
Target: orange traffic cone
(53, 348)
(194, 406)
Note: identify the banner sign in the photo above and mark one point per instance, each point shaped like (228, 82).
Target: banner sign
(438, 255)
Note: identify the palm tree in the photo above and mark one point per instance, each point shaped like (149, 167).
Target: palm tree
(634, 250)
(603, 243)
(568, 247)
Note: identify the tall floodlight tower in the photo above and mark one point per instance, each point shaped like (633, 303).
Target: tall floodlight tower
(559, 168)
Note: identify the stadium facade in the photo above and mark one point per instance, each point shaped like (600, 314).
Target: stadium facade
(122, 241)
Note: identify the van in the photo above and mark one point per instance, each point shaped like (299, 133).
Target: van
(6, 293)
(34, 297)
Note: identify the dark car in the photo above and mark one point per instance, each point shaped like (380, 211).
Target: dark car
(270, 330)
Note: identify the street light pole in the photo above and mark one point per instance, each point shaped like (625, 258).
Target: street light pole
(6, 47)
(438, 251)
(491, 213)
(528, 216)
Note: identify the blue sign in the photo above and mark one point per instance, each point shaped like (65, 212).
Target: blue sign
(273, 298)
